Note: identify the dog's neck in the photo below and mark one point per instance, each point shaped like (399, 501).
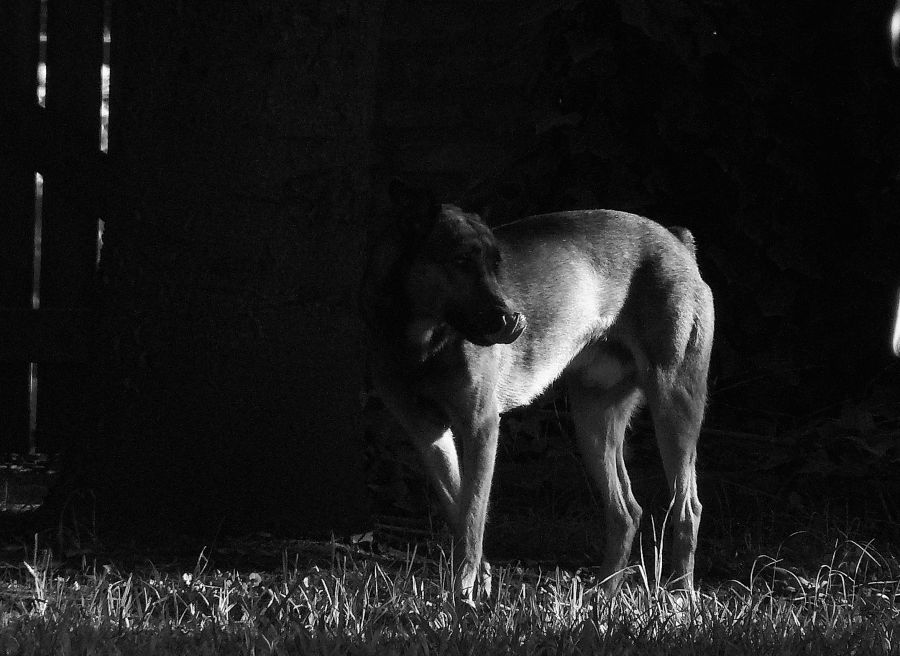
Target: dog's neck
(386, 310)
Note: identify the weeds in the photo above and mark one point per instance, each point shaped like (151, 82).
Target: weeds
(365, 604)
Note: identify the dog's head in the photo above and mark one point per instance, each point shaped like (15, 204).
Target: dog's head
(454, 266)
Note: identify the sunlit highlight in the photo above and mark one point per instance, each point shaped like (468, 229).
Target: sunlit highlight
(104, 108)
(42, 84)
(105, 71)
(104, 81)
(895, 341)
(895, 35)
(42, 57)
(36, 243)
(37, 238)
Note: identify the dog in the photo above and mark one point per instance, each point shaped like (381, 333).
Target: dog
(464, 323)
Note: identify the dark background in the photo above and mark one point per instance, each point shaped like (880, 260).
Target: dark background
(250, 144)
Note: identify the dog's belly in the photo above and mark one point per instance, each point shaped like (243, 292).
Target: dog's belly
(602, 366)
(596, 366)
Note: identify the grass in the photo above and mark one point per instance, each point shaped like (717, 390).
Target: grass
(363, 603)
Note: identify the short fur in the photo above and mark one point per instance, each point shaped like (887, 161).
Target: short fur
(614, 305)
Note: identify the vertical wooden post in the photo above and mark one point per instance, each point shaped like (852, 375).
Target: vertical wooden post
(18, 59)
(74, 57)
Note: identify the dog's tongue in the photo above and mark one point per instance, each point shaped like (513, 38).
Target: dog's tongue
(512, 327)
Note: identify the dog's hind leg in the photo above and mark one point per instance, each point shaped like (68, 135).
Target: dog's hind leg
(601, 417)
(677, 404)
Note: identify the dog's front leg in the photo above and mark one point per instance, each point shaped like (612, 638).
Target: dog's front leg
(479, 438)
(435, 444)
(439, 455)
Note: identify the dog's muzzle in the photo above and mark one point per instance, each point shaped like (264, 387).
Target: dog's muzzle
(512, 325)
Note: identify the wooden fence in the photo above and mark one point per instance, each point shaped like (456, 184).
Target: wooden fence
(262, 395)
(50, 181)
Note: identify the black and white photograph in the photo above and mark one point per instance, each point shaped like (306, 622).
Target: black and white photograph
(449, 327)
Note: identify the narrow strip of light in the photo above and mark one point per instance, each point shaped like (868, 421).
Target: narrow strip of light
(35, 305)
(42, 57)
(105, 72)
(895, 35)
(41, 92)
(895, 340)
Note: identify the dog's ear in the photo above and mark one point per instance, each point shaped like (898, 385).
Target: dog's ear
(416, 208)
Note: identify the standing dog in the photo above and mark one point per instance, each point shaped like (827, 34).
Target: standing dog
(464, 324)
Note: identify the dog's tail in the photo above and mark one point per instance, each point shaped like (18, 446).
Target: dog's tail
(685, 237)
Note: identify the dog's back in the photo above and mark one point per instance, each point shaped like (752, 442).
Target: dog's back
(612, 279)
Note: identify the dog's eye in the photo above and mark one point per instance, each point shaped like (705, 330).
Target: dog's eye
(462, 261)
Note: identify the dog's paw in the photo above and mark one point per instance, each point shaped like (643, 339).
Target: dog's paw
(475, 581)
(485, 580)
(468, 573)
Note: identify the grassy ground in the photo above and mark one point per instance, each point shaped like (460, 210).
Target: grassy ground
(823, 586)
(358, 602)
(798, 554)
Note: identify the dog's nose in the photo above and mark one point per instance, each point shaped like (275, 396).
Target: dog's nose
(513, 326)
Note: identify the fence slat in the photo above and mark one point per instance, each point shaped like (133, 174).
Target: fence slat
(74, 56)
(18, 58)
